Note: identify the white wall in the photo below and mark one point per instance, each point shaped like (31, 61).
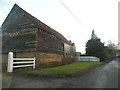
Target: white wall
(87, 58)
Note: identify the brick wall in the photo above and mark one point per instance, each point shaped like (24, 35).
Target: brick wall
(42, 58)
(48, 59)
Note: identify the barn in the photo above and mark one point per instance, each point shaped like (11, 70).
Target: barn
(27, 36)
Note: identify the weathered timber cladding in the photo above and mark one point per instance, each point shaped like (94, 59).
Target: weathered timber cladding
(17, 20)
(18, 31)
(49, 43)
(24, 42)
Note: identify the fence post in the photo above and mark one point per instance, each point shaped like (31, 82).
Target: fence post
(34, 64)
(10, 62)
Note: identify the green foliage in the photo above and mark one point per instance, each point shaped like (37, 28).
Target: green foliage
(111, 51)
(94, 47)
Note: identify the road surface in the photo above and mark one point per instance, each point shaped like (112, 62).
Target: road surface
(0, 81)
(105, 76)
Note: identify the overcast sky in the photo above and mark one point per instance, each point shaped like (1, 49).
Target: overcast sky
(102, 15)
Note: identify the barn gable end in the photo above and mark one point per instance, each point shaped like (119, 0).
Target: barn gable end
(27, 36)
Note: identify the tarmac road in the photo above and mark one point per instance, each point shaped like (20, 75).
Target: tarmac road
(105, 76)
(0, 81)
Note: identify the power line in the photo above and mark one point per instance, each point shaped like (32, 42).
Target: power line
(72, 14)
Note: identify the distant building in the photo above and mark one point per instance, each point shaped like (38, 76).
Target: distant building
(88, 58)
(26, 36)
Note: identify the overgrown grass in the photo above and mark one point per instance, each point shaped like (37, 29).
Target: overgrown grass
(66, 70)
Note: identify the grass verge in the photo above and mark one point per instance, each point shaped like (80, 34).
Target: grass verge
(65, 70)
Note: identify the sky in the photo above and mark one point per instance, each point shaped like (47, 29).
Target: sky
(100, 15)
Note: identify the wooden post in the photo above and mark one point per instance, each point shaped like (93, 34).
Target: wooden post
(10, 62)
(34, 64)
